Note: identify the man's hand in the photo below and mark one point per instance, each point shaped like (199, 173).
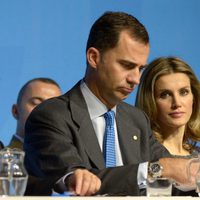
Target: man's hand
(83, 183)
(180, 170)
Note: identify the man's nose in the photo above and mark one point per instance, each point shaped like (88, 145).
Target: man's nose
(134, 77)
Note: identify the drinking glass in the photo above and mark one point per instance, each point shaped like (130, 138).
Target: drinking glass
(157, 187)
(13, 175)
(198, 182)
(197, 175)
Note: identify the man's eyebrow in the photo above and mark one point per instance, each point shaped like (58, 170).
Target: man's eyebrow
(131, 63)
(128, 63)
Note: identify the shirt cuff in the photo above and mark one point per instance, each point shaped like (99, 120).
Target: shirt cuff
(142, 175)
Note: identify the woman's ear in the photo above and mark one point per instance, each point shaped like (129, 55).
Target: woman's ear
(93, 56)
(15, 112)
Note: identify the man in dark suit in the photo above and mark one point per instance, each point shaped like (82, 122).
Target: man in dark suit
(64, 135)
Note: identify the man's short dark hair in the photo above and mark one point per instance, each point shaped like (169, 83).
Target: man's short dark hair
(105, 32)
(40, 79)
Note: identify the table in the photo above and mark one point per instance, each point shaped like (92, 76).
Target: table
(98, 198)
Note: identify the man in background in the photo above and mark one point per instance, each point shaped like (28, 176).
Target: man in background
(34, 92)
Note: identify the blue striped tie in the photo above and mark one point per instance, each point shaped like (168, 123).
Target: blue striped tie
(109, 140)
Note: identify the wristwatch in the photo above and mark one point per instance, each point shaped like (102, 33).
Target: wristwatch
(155, 170)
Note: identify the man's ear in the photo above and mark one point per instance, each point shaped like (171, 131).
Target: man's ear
(93, 56)
(15, 112)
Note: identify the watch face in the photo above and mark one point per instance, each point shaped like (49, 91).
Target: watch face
(155, 168)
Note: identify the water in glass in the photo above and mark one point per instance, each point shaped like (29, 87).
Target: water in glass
(159, 187)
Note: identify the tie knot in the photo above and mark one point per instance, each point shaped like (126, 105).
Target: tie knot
(109, 117)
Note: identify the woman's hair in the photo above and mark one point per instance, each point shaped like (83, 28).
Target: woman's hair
(146, 101)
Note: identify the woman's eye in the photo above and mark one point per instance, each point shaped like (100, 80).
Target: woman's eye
(164, 95)
(184, 92)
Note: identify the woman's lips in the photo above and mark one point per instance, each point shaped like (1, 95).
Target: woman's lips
(176, 114)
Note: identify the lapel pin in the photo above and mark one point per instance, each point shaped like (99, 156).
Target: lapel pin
(135, 137)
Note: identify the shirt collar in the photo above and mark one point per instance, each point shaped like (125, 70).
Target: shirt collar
(95, 107)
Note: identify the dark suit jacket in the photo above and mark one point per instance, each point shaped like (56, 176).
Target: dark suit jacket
(60, 138)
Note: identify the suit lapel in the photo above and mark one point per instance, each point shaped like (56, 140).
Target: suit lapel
(87, 134)
(129, 137)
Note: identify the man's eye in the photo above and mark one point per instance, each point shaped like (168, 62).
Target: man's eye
(142, 68)
(36, 102)
(127, 65)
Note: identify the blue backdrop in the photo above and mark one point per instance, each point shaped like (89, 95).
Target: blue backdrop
(48, 37)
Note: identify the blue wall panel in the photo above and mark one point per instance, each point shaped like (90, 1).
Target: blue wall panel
(48, 37)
